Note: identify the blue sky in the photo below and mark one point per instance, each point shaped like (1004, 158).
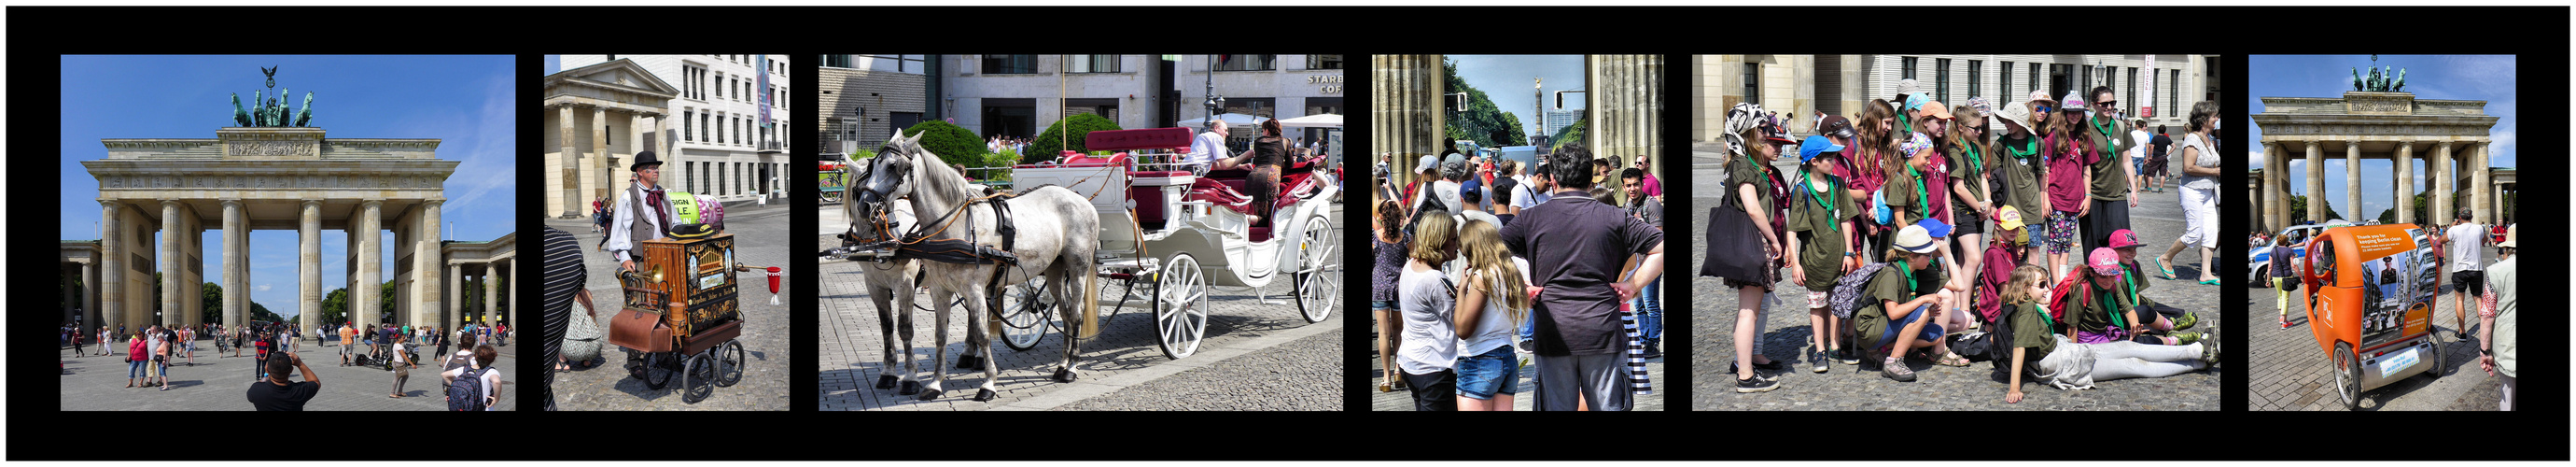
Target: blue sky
(1505, 79)
(467, 102)
(2450, 77)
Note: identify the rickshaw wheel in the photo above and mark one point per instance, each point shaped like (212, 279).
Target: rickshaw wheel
(2347, 376)
(698, 381)
(2439, 362)
(729, 363)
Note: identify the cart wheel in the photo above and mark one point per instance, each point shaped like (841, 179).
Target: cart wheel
(699, 380)
(1317, 283)
(1024, 314)
(2439, 362)
(729, 363)
(655, 371)
(1180, 307)
(2347, 376)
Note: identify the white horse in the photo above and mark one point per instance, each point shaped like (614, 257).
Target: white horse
(1057, 232)
(891, 284)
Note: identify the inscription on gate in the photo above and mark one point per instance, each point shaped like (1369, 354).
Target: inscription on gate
(272, 148)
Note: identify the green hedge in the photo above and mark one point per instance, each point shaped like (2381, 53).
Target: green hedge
(1045, 148)
(951, 142)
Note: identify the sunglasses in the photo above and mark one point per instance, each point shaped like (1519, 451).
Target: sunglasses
(2107, 103)
(2044, 109)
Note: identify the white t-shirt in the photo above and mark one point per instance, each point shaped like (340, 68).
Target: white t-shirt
(1494, 328)
(2139, 151)
(2468, 247)
(1430, 330)
(397, 351)
(1207, 148)
(1523, 197)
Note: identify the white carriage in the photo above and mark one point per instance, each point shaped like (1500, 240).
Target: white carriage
(1168, 235)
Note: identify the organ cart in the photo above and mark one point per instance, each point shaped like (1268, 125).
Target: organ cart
(680, 314)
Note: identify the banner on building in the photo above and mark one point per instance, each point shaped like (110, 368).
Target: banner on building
(2147, 106)
(764, 91)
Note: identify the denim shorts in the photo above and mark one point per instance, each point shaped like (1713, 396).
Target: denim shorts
(1381, 304)
(1931, 332)
(1494, 372)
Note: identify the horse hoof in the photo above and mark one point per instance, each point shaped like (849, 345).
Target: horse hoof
(969, 362)
(1066, 375)
(885, 381)
(910, 388)
(985, 395)
(928, 395)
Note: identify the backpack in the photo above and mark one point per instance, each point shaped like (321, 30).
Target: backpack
(467, 394)
(1847, 290)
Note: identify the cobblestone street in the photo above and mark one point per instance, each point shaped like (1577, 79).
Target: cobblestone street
(1785, 336)
(760, 239)
(2291, 373)
(1255, 356)
(222, 382)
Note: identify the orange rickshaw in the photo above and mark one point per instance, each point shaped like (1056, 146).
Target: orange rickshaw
(2369, 303)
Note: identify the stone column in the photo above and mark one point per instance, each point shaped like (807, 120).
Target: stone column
(370, 229)
(1406, 112)
(426, 254)
(2445, 181)
(2273, 202)
(234, 292)
(2352, 182)
(599, 147)
(309, 242)
(171, 273)
(514, 292)
(111, 267)
(89, 295)
(2405, 182)
(572, 199)
(456, 313)
(2316, 183)
(2488, 204)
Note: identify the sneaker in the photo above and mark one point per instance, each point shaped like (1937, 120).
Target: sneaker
(2187, 338)
(1845, 356)
(1894, 368)
(1755, 384)
(1759, 372)
(1816, 360)
(2209, 354)
(1654, 349)
(2188, 319)
(2285, 323)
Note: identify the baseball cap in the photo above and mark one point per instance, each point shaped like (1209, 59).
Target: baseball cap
(1816, 144)
(1429, 163)
(1934, 227)
(1914, 238)
(2104, 261)
(1772, 130)
(1935, 109)
(2124, 238)
(2008, 218)
(1914, 102)
(1836, 126)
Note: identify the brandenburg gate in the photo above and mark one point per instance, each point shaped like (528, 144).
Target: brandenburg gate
(266, 173)
(2377, 123)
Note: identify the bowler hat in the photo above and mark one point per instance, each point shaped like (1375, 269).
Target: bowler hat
(643, 159)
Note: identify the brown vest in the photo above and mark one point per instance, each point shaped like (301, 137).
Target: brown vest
(651, 223)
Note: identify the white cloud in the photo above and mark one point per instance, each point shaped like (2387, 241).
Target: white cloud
(2504, 139)
(261, 288)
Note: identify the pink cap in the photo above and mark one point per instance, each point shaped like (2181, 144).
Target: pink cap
(2104, 261)
(2124, 238)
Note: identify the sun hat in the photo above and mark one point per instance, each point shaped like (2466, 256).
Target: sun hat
(2124, 238)
(2104, 261)
(1815, 145)
(1935, 109)
(2509, 234)
(1914, 238)
(2018, 114)
(1907, 87)
(1980, 104)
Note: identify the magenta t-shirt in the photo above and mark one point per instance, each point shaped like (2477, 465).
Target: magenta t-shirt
(2066, 183)
(1651, 187)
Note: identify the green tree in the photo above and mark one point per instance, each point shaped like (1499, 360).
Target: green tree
(951, 142)
(2299, 210)
(1479, 121)
(385, 302)
(71, 281)
(1569, 135)
(260, 312)
(1045, 147)
(214, 304)
(335, 306)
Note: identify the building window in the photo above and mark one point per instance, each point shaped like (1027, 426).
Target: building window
(1091, 64)
(1010, 64)
(1324, 62)
(721, 85)
(1753, 82)
(1909, 69)
(2132, 98)
(2035, 82)
(1941, 80)
(1246, 62)
(2173, 94)
(1976, 77)
(2006, 77)
(688, 126)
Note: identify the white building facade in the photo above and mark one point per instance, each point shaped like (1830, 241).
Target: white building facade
(711, 139)
(1019, 95)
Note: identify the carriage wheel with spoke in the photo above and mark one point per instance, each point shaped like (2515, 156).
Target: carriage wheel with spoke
(1025, 314)
(1180, 307)
(1318, 281)
(729, 363)
(2347, 376)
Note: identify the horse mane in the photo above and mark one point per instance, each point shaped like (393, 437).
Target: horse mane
(935, 177)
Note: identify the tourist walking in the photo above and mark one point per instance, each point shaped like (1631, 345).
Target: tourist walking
(2468, 245)
(2199, 195)
(401, 365)
(2497, 333)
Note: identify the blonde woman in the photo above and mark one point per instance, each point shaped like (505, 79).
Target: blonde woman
(1427, 299)
(1492, 301)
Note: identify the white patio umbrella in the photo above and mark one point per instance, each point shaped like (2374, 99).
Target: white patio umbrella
(1231, 119)
(1316, 120)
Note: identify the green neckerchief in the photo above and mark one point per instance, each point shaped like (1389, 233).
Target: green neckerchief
(2043, 316)
(2114, 311)
(1908, 271)
(1976, 163)
(2030, 146)
(1806, 184)
(1921, 198)
(2109, 144)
